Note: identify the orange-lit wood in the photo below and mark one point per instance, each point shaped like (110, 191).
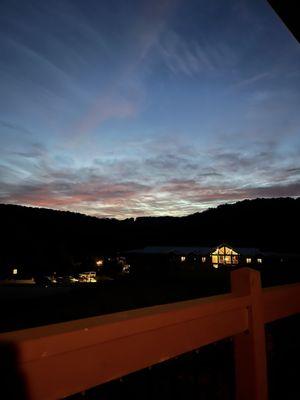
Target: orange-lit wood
(84, 353)
(280, 302)
(68, 336)
(61, 359)
(86, 367)
(250, 346)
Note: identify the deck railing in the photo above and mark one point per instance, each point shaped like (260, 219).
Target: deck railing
(58, 360)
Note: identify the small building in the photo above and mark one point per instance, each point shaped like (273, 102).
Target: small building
(88, 277)
(226, 255)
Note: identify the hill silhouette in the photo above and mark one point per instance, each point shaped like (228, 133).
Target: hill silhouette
(44, 239)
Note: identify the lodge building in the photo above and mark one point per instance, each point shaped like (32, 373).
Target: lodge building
(221, 256)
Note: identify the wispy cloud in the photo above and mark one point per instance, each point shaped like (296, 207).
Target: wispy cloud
(158, 185)
(253, 79)
(14, 127)
(105, 108)
(190, 57)
(35, 150)
(195, 193)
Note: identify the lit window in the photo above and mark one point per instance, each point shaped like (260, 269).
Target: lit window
(248, 260)
(222, 250)
(203, 259)
(182, 258)
(224, 255)
(15, 271)
(259, 260)
(126, 269)
(214, 259)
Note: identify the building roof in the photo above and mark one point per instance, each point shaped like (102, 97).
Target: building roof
(179, 250)
(171, 249)
(248, 251)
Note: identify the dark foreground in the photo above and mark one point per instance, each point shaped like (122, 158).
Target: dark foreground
(204, 374)
(29, 306)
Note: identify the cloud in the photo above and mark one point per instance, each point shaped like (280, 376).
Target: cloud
(293, 171)
(279, 190)
(163, 182)
(193, 192)
(35, 150)
(191, 57)
(181, 57)
(70, 188)
(169, 162)
(253, 79)
(91, 193)
(110, 106)
(111, 102)
(14, 127)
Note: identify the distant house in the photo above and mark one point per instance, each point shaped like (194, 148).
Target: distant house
(219, 256)
(226, 255)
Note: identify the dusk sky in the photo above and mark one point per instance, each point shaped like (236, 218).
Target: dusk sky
(130, 108)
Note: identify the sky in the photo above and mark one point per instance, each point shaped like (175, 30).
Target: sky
(131, 108)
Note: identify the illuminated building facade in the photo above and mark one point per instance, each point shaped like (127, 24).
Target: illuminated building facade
(165, 259)
(222, 256)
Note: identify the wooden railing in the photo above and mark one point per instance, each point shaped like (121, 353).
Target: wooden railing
(58, 360)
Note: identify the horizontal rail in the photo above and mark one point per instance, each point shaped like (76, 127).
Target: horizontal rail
(85, 353)
(51, 340)
(62, 359)
(281, 301)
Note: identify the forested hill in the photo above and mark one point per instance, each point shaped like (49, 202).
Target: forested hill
(42, 238)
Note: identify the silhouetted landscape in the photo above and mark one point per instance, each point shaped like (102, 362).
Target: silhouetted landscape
(42, 239)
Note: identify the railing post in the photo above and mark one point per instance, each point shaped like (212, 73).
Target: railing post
(250, 347)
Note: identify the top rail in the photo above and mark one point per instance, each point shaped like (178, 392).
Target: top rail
(281, 301)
